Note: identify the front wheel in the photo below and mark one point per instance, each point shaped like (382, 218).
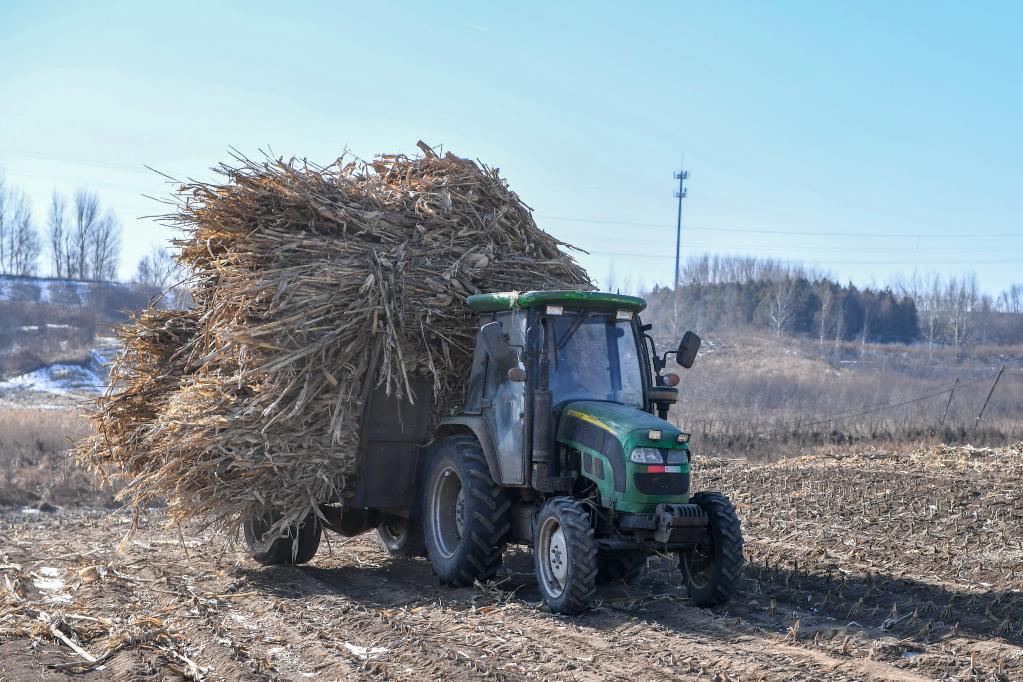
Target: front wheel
(712, 569)
(565, 554)
(297, 546)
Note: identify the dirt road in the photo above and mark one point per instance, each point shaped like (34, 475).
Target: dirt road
(865, 565)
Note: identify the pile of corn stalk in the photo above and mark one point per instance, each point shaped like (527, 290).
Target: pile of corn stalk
(303, 277)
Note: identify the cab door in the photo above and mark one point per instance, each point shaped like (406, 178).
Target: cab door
(504, 404)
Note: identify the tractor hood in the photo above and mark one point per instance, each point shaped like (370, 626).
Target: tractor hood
(609, 427)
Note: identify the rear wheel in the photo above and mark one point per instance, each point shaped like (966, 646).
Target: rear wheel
(615, 566)
(565, 554)
(466, 516)
(712, 569)
(401, 537)
(297, 546)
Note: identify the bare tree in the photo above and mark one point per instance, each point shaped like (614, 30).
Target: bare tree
(1011, 300)
(825, 317)
(781, 304)
(60, 237)
(5, 221)
(105, 251)
(839, 325)
(960, 301)
(25, 246)
(611, 280)
(19, 241)
(85, 217)
(89, 246)
(927, 292)
(157, 269)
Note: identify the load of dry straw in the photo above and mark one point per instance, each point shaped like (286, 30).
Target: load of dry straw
(301, 275)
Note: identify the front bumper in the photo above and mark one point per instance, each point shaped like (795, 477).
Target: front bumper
(669, 526)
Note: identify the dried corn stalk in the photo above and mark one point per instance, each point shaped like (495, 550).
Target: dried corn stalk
(252, 400)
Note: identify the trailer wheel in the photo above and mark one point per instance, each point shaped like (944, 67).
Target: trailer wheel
(296, 547)
(712, 569)
(615, 566)
(402, 538)
(565, 554)
(466, 518)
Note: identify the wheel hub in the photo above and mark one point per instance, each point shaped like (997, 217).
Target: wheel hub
(447, 513)
(558, 555)
(460, 512)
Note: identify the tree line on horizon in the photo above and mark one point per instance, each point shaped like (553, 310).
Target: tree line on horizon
(81, 240)
(781, 298)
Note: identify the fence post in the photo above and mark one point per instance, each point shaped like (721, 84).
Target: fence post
(952, 393)
(982, 407)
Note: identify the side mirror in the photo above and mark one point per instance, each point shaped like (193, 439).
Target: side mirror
(687, 349)
(495, 343)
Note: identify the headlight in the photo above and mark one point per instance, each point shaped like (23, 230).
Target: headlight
(646, 456)
(678, 456)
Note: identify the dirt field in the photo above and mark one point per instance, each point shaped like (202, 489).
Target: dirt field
(862, 565)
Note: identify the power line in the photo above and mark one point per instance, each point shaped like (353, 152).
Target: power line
(61, 158)
(804, 233)
(859, 412)
(769, 247)
(902, 262)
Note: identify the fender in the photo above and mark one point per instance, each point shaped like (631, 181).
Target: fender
(477, 426)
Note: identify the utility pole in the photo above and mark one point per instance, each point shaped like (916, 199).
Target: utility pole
(680, 195)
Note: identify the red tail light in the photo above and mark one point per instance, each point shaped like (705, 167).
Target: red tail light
(670, 379)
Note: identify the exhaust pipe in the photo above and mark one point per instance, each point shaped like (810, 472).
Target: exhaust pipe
(542, 458)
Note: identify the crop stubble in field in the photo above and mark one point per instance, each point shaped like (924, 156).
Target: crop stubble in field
(864, 564)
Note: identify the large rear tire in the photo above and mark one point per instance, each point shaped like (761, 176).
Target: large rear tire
(565, 554)
(298, 546)
(712, 569)
(466, 515)
(401, 538)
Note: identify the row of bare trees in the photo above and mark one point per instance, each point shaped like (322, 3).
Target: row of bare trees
(789, 298)
(724, 269)
(20, 246)
(83, 240)
(953, 311)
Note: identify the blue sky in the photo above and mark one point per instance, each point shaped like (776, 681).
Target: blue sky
(868, 137)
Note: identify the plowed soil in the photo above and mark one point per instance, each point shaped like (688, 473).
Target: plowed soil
(862, 565)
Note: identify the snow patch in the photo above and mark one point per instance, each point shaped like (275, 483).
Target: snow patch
(59, 379)
(64, 379)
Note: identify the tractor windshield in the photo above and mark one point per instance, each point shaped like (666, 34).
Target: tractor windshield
(593, 356)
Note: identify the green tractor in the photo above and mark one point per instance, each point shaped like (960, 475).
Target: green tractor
(562, 444)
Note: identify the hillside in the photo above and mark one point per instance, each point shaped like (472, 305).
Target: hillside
(46, 322)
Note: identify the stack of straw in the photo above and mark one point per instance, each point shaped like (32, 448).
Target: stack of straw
(301, 276)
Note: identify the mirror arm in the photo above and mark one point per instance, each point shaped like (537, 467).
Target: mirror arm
(659, 364)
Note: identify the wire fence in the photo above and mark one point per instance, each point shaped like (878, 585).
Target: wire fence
(984, 409)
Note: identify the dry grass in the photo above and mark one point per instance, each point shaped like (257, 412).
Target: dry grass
(766, 397)
(34, 460)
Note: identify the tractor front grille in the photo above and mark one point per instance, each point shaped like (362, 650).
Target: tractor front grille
(661, 484)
